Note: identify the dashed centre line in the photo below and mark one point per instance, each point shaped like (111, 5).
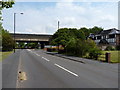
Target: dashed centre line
(58, 65)
(37, 54)
(66, 70)
(45, 59)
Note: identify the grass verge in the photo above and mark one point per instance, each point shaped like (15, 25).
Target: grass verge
(4, 55)
(115, 56)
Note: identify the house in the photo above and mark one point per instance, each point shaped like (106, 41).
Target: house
(107, 37)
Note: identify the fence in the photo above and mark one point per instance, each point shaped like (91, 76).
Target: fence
(105, 57)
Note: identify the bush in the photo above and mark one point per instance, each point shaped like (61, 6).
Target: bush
(61, 51)
(80, 48)
(109, 48)
(118, 47)
(51, 49)
(95, 53)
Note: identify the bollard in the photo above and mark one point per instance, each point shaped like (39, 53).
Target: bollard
(107, 57)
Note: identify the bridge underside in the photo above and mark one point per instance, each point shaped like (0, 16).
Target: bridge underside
(40, 40)
(40, 44)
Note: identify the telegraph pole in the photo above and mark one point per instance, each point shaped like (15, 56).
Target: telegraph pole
(58, 24)
(58, 29)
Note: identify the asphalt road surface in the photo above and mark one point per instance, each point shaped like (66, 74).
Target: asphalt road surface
(42, 70)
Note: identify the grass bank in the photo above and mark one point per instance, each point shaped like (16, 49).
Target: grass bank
(4, 55)
(115, 56)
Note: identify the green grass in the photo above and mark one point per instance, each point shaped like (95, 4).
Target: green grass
(115, 56)
(4, 55)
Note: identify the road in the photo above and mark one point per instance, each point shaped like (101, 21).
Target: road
(48, 71)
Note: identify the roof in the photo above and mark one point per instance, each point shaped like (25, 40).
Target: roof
(103, 41)
(109, 31)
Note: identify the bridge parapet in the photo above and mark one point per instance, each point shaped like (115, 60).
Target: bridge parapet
(31, 37)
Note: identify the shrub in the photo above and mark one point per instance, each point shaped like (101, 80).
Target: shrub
(118, 47)
(95, 53)
(51, 49)
(61, 51)
(109, 48)
(80, 48)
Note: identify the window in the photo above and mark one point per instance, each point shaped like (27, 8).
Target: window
(112, 36)
(98, 37)
(94, 38)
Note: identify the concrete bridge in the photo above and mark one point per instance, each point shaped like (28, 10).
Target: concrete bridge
(41, 39)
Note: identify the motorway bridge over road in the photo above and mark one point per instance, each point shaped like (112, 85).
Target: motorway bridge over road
(41, 39)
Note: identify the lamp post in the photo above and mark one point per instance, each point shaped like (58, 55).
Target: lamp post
(15, 28)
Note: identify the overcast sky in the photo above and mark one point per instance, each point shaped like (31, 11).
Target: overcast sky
(42, 17)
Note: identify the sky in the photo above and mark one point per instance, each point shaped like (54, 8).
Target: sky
(42, 17)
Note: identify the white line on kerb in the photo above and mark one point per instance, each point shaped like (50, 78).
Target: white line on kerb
(66, 70)
(46, 59)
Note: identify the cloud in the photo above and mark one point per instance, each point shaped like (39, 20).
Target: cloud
(43, 20)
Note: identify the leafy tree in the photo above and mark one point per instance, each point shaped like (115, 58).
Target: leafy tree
(71, 47)
(95, 29)
(21, 45)
(75, 42)
(5, 4)
(93, 50)
(32, 45)
(85, 30)
(7, 41)
(63, 35)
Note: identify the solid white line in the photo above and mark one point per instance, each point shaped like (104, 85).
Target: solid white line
(46, 59)
(66, 70)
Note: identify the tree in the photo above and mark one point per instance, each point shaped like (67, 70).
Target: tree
(70, 48)
(3, 33)
(95, 29)
(75, 42)
(32, 45)
(93, 49)
(21, 45)
(7, 41)
(7, 4)
(63, 36)
(85, 30)
(60, 37)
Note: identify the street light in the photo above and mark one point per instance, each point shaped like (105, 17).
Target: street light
(15, 28)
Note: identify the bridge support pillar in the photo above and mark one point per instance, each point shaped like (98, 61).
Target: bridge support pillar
(42, 45)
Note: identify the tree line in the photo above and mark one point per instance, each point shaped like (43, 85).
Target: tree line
(76, 42)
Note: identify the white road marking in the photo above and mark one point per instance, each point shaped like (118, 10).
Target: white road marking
(46, 59)
(19, 69)
(66, 70)
(36, 54)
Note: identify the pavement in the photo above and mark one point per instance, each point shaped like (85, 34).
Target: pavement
(43, 70)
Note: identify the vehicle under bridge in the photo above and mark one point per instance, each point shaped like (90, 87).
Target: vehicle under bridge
(40, 39)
